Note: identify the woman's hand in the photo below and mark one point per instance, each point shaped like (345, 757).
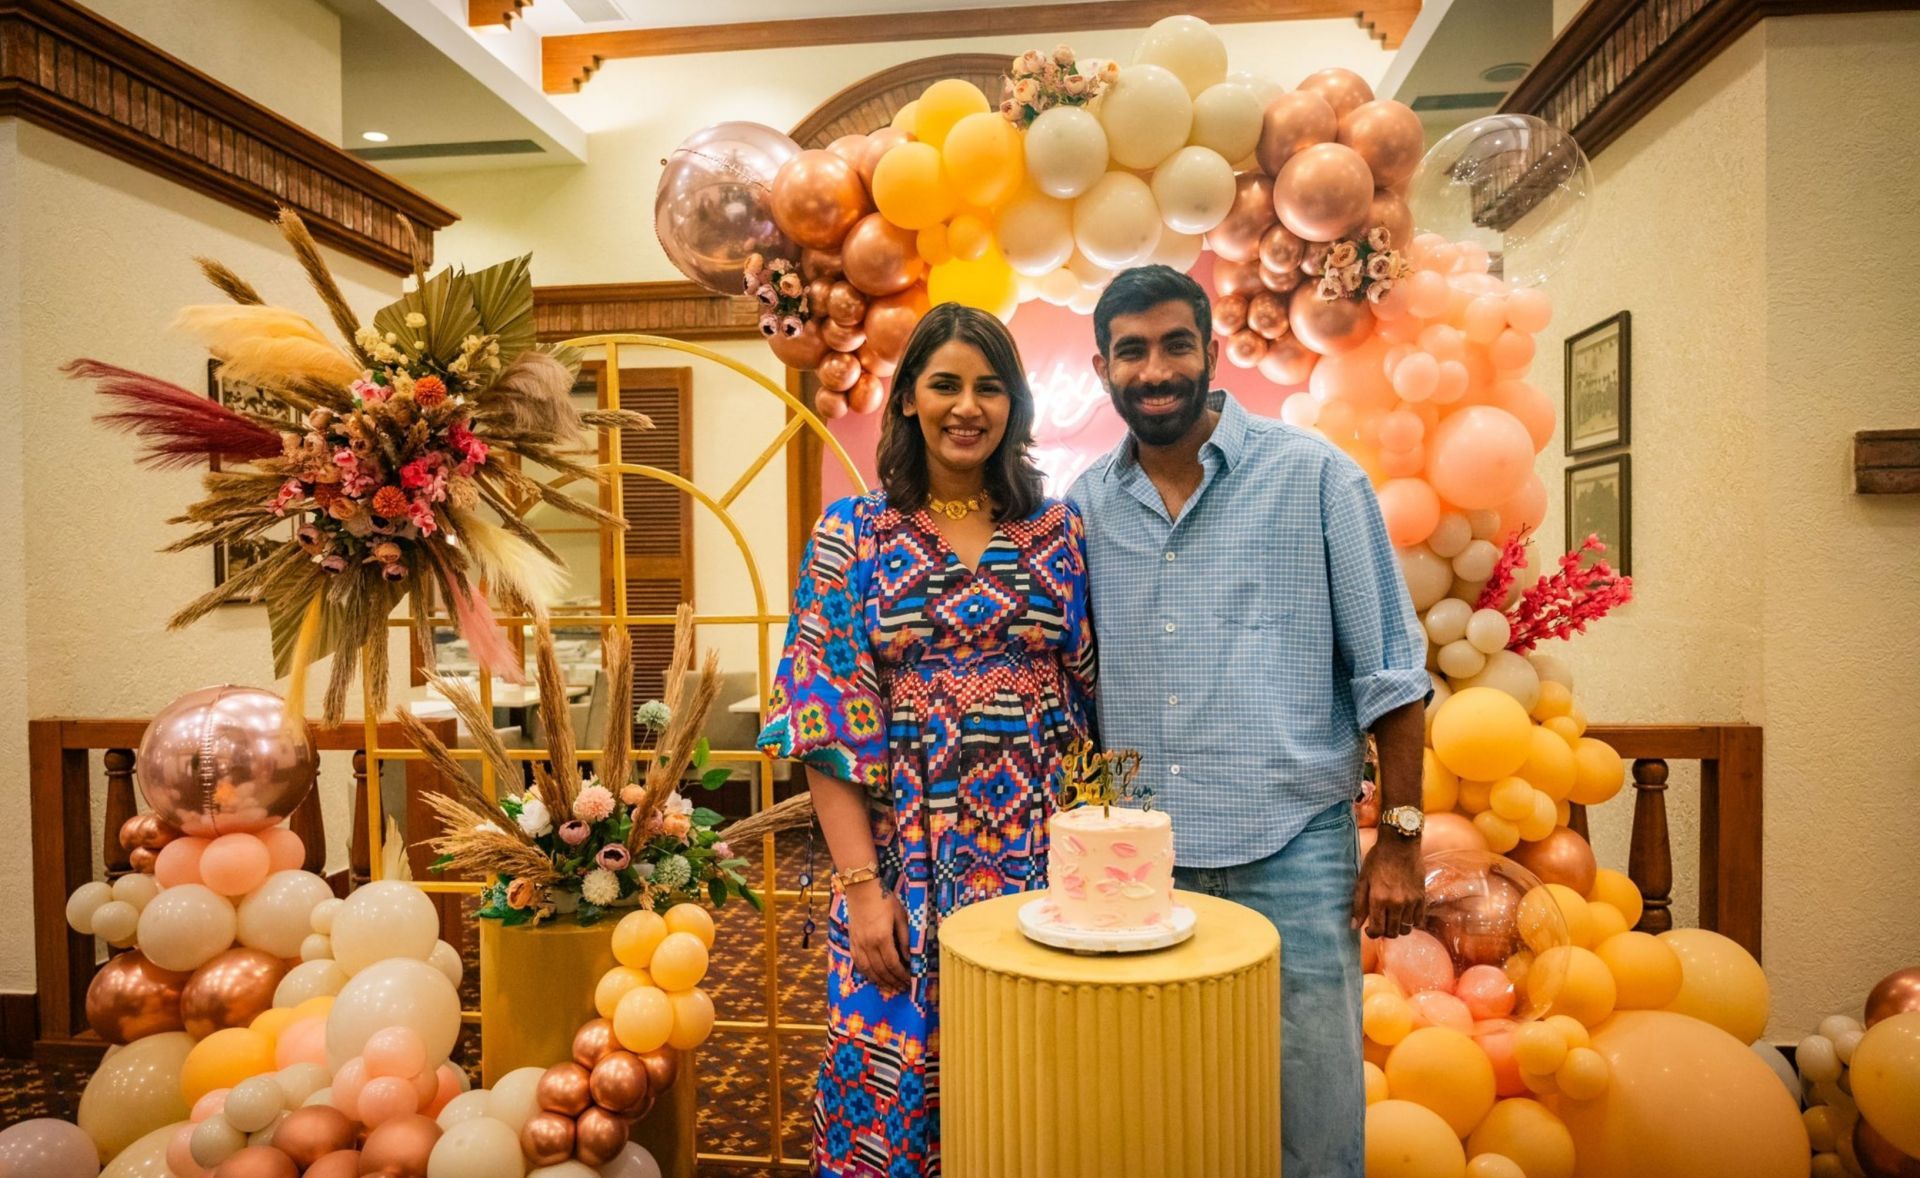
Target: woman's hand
(877, 933)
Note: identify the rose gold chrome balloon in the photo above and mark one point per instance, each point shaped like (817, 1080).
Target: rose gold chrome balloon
(1390, 212)
(662, 1066)
(1236, 278)
(1229, 314)
(1324, 192)
(817, 196)
(311, 1133)
(133, 831)
(851, 148)
(881, 258)
(872, 364)
(400, 1148)
(1280, 249)
(142, 859)
(131, 998)
(879, 143)
(1292, 123)
(843, 339)
(1237, 237)
(815, 264)
(1342, 89)
(231, 990)
(563, 1089)
(1288, 362)
(713, 208)
(1279, 281)
(801, 351)
(867, 394)
(598, 1137)
(1388, 135)
(1479, 928)
(1245, 348)
(547, 1139)
(838, 371)
(620, 1083)
(1328, 325)
(1878, 1157)
(257, 1161)
(1563, 857)
(890, 322)
(846, 306)
(1267, 314)
(593, 1042)
(344, 1163)
(1896, 993)
(224, 760)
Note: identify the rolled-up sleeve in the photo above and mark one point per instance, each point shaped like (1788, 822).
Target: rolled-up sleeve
(1375, 630)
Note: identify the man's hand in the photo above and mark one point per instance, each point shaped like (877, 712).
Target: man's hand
(1390, 897)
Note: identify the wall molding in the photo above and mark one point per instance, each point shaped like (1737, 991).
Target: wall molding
(78, 75)
(871, 103)
(1616, 60)
(683, 310)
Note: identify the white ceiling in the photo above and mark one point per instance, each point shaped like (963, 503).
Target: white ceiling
(560, 17)
(1452, 46)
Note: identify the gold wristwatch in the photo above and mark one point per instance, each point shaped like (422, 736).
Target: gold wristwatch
(846, 879)
(1406, 821)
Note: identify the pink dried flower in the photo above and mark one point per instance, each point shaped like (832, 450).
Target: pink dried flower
(790, 285)
(1031, 61)
(614, 857)
(1026, 91)
(792, 325)
(472, 450)
(394, 572)
(574, 833)
(421, 516)
(1343, 253)
(1010, 110)
(1380, 266)
(1063, 54)
(345, 458)
(1330, 289)
(1378, 292)
(594, 804)
(632, 794)
(1076, 86)
(722, 851)
(333, 562)
(769, 324)
(1378, 238)
(368, 392)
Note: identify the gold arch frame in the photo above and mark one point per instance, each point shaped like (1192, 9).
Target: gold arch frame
(771, 1028)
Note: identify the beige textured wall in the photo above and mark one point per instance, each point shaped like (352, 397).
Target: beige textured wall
(1767, 592)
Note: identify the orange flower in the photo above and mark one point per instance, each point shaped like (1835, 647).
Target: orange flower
(676, 825)
(390, 503)
(429, 391)
(521, 893)
(324, 494)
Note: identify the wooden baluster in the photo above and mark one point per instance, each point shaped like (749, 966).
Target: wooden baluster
(1577, 820)
(311, 825)
(1650, 858)
(360, 853)
(120, 807)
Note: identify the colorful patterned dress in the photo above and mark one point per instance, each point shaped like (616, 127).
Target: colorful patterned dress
(949, 693)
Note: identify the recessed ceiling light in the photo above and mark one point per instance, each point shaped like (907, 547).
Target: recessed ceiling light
(374, 136)
(1506, 71)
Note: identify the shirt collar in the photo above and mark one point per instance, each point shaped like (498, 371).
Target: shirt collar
(1229, 439)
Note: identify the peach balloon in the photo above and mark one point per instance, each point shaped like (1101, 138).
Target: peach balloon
(394, 1051)
(343, 1163)
(1411, 510)
(1531, 407)
(1292, 123)
(1329, 325)
(311, 1133)
(1450, 832)
(1237, 237)
(817, 197)
(1417, 961)
(285, 851)
(1479, 457)
(1529, 310)
(1289, 362)
(1487, 991)
(1511, 351)
(1342, 89)
(1435, 1008)
(1388, 136)
(1324, 192)
(387, 1098)
(257, 1161)
(179, 862)
(881, 258)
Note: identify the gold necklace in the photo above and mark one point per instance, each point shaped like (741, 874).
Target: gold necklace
(957, 509)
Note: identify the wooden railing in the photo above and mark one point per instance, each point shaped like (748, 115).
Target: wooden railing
(65, 833)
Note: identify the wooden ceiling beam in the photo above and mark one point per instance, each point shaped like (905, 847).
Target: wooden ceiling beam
(568, 61)
(483, 14)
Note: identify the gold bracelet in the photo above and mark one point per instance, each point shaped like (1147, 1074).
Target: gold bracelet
(846, 879)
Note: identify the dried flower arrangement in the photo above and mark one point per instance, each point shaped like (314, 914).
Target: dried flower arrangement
(1037, 82)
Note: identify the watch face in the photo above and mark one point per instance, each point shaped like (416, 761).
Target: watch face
(1406, 821)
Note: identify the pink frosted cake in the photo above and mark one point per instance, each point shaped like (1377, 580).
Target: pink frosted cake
(1110, 869)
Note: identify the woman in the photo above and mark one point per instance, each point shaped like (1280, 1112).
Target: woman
(938, 662)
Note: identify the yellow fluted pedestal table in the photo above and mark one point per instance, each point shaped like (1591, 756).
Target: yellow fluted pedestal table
(1055, 1064)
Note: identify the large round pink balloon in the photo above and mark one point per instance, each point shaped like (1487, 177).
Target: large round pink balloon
(713, 207)
(224, 760)
(1479, 457)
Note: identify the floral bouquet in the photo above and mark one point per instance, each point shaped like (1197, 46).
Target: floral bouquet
(578, 846)
(404, 471)
(1038, 82)
(782, 294)
(1365, 267)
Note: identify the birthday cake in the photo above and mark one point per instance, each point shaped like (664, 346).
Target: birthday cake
(1110, 868)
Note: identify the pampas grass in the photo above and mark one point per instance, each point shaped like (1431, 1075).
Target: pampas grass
(690, 707)
(795, 813)
(267, 345)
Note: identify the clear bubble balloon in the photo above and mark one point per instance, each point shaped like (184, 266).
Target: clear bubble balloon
(1477, 913)
(1546, 192)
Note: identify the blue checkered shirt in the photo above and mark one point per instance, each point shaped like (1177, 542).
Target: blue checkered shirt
(1246, 647)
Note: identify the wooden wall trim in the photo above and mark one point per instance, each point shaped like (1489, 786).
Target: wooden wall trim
(1618, 59)
(871, 103)
(568, 61)
(683, 310)
(74, 73)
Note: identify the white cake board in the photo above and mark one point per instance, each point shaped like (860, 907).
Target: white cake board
(1085, 940)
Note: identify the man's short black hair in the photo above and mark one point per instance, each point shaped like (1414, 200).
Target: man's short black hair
(1144, 287)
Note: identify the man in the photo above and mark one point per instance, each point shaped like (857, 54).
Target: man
(1253, 627)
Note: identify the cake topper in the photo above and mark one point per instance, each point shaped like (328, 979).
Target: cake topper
(1104, 779)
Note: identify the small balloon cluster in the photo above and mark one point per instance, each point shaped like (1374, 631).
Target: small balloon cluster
(1859, 1080)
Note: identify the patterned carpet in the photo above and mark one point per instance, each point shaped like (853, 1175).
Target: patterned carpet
(735, 1080)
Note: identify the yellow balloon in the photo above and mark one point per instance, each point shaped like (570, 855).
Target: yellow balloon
(1445, 1071)
(1511, 798)
(147, 1157)
(1549, 765)
(1578, 719)
(1685, 1098)
(1607, 922)
(692, 1018)
(1482, 733)
(1475, 796)
(1886, 1079)
(1824, 1124)
(1565, 728)
(1386, 1018)
(680, 962)
(1538, 925)
(614, 985)
(911, 188)
(1616, 888)
(1408, 1140)
(1439, 785)
(1556, 699)
(969, 236)
(636, 937)
(988, 284)
(1571, 1029)
(1376, 1082)
(1540, 823)
(272, 1021)
(223, 1059)
(1528, 1134)
(1586, 991)
(1502, 836)
(691, 918)
(1539, 1048)
(135, 1090)
(643, 1021)
(903, 119)
(1598, 772)
(1720, 983)
(986, 158)
(942, 106)
(932, 245)
(1379, 983)
(1584, 1075)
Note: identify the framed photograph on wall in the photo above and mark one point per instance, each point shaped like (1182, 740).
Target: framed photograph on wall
(1599, 502)
(230, 559)
(1598, 384)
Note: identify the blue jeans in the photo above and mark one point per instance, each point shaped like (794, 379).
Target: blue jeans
(1306, 890)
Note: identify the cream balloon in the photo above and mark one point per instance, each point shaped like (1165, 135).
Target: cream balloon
(1187, 47)
(515, 1097)
(477, 1148)
(277, 916)
(135, 1091)
(1447, 620)
(185, 926)
(1066, 151)
(634, 1162)
(85, 901)
(1488, 630)
(136, 889)
(1117, 222)
(1451, 535)
(147, 1157)
(1036, 233)
(1194, 189)
(310, 979)
(1428, 577)
(446, 959)
(1226, 118)
(1264, 88)
(386, 918)
(1147, 114)
(1177, 250)
(1552, 669)
(116, 922)
(465, 1107)
(564, 1170)
(1058, 287)
(398, 992)
(1508, 672)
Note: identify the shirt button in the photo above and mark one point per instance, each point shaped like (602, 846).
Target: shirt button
(1173, 701)
(1174, 770)
(1171, 627)
(1169, 556)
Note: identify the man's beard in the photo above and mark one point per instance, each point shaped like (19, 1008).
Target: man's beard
(1162, 429)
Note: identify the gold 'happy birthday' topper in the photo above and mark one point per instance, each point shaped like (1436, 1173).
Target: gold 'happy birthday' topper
(1105, 779)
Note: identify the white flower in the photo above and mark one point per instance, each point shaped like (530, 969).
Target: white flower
(643, 870)
(677, 803)
(653, 714)
(416, 319)
(600, 887)
(534, 818)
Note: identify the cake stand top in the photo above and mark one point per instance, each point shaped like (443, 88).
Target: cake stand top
(1227, 938)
